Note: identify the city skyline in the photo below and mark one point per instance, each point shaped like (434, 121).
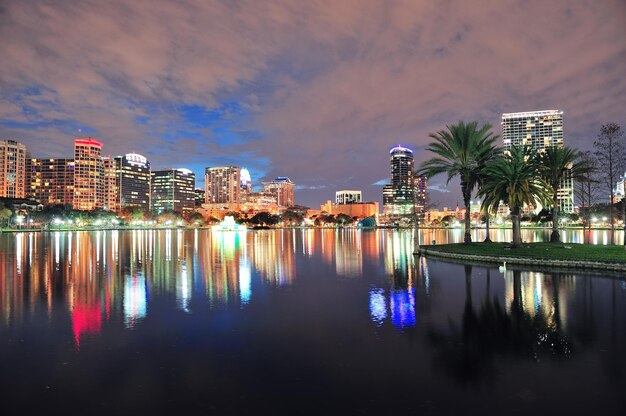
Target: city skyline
(313, 97)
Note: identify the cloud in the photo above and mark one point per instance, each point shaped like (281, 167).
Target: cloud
(314, 90)
(438, 187)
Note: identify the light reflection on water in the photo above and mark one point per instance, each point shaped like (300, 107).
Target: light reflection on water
(295, 283)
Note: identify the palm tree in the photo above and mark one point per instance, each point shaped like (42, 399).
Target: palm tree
(515, 179)
(558, 164)
(463, 149)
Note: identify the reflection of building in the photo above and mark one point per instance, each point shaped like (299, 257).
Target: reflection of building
(283, 188)
(539, 294)
(539, 130)
(12, 169)
(88, 174)
(348, 253)
(223, 185)
(173, 190)
(348, 197)
(51, 181)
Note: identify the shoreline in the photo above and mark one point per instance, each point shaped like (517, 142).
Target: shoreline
(460, 252)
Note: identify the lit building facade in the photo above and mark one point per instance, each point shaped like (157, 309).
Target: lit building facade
(110, 184)
(173, 190)
(284, 189)
(539, 130)
(88, 174)
(222, 185)
(200, 196)
(246, 181)
(12, 169)
(132, 182)
(421, 197)
(348, 197)
(51, 181)
(358, 209)
(398, 196)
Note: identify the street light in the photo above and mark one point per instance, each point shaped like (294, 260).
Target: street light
(19, 220)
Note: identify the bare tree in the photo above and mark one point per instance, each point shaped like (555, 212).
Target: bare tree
(610, 152)
(586, 190)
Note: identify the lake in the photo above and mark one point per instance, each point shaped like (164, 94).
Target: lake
(296, 321)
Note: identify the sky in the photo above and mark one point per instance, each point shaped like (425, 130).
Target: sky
(314, 90)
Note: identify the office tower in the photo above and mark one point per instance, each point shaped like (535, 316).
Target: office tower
(132, 180)
(421, 197)
(223, 185)
(348, 197)
(246, 182)
(283, 189)
(50, 181)
(173, 190)
(199, 192)
(88, 174)
(398, 196)
(110, 184)
(539, 130)
(12, 169)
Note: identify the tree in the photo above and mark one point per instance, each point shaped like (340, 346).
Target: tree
(5, 214)
(583, 189)
(343, 219)
(265, 218)
(514, 178)
(291, 218)
(557, 165)
(195, 218)
(610, 153)
(462, 150)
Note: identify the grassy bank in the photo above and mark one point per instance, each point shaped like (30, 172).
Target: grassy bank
(580, 252)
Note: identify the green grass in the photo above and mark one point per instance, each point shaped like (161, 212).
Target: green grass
(559, 251)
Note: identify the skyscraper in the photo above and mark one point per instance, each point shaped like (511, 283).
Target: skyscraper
(132, 174)
(173, 190)
(223, 185)
(12, 169)
(50, 181)
(398, 195)
(539, 130)
(88, 174)
(283, 189)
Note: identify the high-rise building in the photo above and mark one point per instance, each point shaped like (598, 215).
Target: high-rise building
(173, 190)
(199, 192)
(111, 199)
(51, 181)
(421, 197)
(348, 197)
(223, 185)
(88, 174)
(284, 190)
(398, 196)
(132, 181)
(12, 169)
(246, 182)
(539, 130)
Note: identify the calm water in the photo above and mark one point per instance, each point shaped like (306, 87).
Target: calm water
(297, 322)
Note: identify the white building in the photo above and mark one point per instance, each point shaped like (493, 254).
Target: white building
(539, 130)
(348, 197)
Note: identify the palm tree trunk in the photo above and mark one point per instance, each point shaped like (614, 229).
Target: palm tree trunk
(466, 201)
(624, 218)
(555, 237)
(515, 219)
(487, 221)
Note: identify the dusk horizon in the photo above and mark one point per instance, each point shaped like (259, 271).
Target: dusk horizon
(318, 93)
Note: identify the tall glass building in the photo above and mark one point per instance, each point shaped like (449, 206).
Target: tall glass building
(539, 130)
(132, 181)
(173, 190)
(404, 195)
